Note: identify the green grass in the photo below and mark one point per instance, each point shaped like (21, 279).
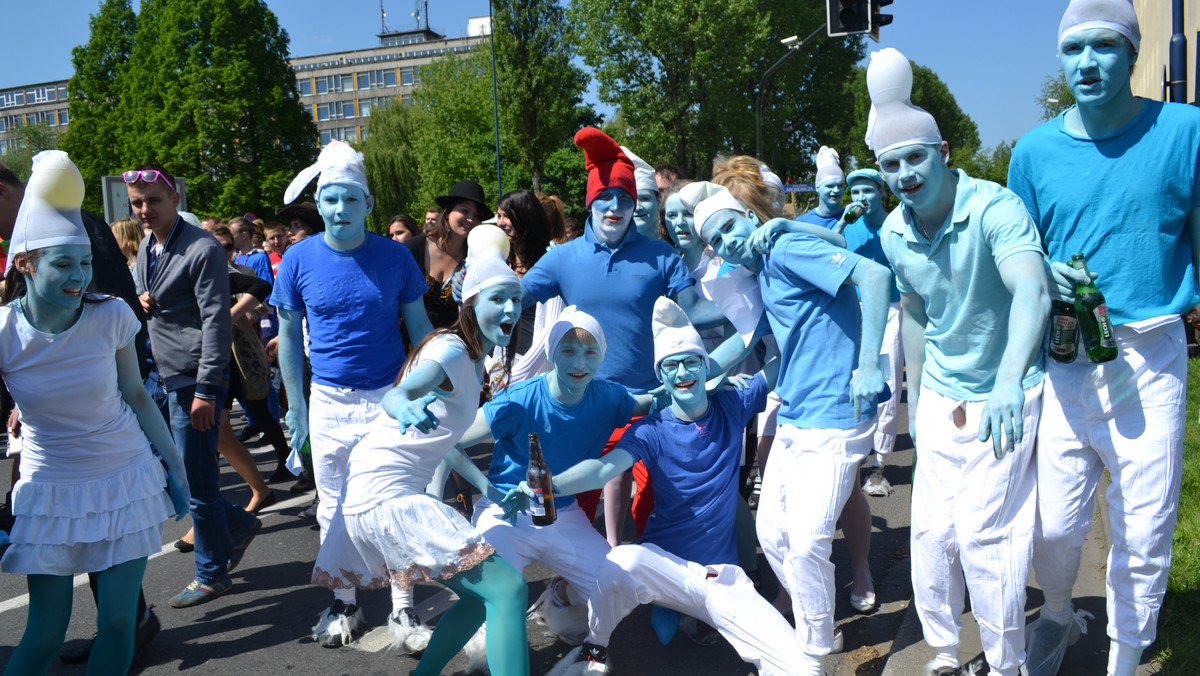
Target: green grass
(1178, 644)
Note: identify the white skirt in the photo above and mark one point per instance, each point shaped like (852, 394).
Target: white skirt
(400, 541)
(88, 527)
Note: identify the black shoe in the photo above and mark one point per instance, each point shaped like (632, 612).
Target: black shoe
(77, 652)
(267, 502)
(310, 512)
(281, 475)
(184, 547)
(304, 484)
(248, 434)
(146, 632)
(241, 542)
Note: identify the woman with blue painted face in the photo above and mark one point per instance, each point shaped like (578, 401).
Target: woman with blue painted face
(91, 495)
(388, 532)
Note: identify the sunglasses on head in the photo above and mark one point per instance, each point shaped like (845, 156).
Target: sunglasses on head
(146, 175)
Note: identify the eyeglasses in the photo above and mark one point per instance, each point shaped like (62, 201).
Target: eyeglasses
(147, 175)
(690, 364)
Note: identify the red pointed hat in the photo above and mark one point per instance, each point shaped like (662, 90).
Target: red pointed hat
(607, 165)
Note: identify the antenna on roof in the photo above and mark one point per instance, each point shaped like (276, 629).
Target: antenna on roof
(421, 9)
(383, 27)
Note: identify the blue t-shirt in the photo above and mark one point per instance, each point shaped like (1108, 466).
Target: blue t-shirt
(957, 275)
(618, 287)
(1122, 201)
(863, 240)
(352, 302)
(818, 324)
(811, 216)
(568, 434)
(258, 261)
(694, 468)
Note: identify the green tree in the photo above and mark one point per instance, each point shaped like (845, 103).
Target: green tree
(207, 92)
(989, 164)
(34, 139)
(1055, 96)
(390, 157)
(541, 89)
(96, 89)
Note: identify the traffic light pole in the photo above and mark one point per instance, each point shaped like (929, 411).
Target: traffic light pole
(762, 84)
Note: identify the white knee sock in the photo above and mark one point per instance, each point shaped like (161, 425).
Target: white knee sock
(401, 598)
(811, 665)
(1123, 659)
(347, 596)
(1057, 607)
(946, 657)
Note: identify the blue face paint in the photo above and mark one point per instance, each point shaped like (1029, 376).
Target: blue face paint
(684, 375)
(646, 213)
(62, 275)
(680, 224)
(497, 309)
(611, 212)
(1096, 64)
(575, 364)
(916, 174)
(867, 192)
(830, 193)
(344, 209)
(727, 232)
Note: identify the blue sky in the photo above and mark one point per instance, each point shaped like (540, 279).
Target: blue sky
(992, 55)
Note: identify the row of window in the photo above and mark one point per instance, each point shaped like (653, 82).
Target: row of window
(342, 110)
(53, 118)
(347, 134)
(43, 94)
(378, 58)
(386, 77)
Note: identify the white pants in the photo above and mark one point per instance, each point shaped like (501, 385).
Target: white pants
(808, 479)
(972, 517)
(1126, 415)
(570, 546)
(893, 349)
(721, 595)
(337, 420)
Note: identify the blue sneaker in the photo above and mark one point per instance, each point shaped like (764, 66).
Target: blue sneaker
(200, 592)
(241, 542)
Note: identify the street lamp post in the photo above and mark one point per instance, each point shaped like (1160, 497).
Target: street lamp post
(793, 46)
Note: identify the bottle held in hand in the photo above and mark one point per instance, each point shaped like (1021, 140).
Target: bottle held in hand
(541, 505)
(1095, 327)
(1064, 330)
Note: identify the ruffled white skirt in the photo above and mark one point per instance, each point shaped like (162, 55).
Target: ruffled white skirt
(400, 541)
(88, 527)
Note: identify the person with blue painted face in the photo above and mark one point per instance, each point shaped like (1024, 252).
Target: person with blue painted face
(615, 274)
(649, 197)
(831, 188)
(91, 495)
(687, 560)
(353, 288)
(971, 273)
(387, 532)
(829, 382)
(1114, 178)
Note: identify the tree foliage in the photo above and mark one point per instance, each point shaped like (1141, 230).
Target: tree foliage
(390, 156)
(34, 139)
(1055, 96)
(201, 87)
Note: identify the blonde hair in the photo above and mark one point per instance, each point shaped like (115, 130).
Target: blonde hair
(751, 191)
(129, 234)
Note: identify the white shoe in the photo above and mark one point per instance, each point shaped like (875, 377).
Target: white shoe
(476, 652)
(1046, 642)
(568, 622)
(337, 625)
(877, 485)
(409, 634)
(586, 660)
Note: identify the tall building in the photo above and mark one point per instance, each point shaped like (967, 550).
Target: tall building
(338, 90)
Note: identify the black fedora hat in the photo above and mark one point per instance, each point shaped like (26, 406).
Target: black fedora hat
(307, 213)
(466, 191)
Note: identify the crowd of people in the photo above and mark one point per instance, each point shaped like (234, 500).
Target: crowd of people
(684, 334)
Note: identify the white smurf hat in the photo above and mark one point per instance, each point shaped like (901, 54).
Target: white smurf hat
(1116, 15)
(829, 166)
(643, 173)
(717, 201)
(49, 211)
(673, 332)
(486, 269)
(894, 121)
(337, 163)
(573, 318)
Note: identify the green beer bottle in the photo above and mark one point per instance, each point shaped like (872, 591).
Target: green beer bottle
(1099, 341)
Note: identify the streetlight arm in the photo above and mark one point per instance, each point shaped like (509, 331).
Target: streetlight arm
(762, 84)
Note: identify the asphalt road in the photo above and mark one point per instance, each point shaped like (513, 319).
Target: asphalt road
(263, 626)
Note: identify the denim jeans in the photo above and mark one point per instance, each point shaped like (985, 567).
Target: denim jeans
(213, 517)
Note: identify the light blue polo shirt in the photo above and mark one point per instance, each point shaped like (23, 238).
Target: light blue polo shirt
(958, 277)
(818, 325)
(863, 240)
(618, 287)
(811, 216)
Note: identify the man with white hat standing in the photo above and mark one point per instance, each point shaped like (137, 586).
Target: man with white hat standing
(970, 270)
(1113, 178)
(829, 382)
(353, 287)
(831, 187)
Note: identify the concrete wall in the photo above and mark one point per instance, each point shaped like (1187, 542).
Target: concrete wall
(1154, 17)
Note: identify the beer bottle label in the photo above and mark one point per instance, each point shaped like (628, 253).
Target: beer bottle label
(537, 504)
(1107, 339)
(1062, 334)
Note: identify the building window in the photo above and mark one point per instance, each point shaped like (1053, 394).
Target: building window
(347, 82)
(325, 138)
(408, 76)
(62, 116)
(62, 92)
(364, 80)
(406, 99)
(322, 85)
(308, 110)
(389, 77)
(364, 108)
(305, 86)
(3, 146)
(322, 111)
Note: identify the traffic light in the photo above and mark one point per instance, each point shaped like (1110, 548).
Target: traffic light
(878, 19)
(847, 17)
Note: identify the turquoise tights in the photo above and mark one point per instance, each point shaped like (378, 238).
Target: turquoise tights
(50, 611)
(494, 591)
